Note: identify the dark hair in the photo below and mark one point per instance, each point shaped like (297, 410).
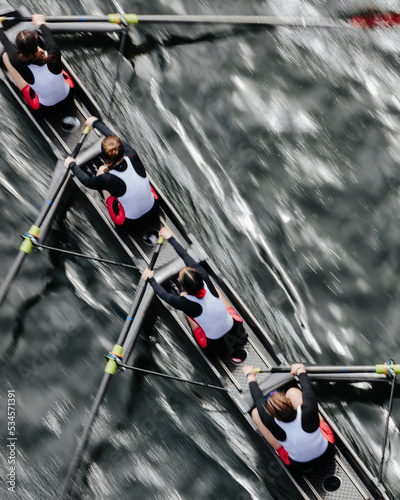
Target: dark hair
(26, 42)
(113, 150)
(190, 280)
(280, 407)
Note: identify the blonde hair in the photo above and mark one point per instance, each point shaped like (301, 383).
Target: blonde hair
(280, 407)
(113, 151)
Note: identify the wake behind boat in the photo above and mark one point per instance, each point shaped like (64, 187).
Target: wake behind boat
(343, 476)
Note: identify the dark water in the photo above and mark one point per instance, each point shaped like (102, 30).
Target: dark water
(279, 149)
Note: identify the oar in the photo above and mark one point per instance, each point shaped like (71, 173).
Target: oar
(117, 70)
(348, 377)
(45, 215)
(36, 244)
(385, 369)
(386, 435)
(110, 370)
(369, 20)
(164, 375)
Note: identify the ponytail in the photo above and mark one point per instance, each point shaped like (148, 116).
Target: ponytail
(26, 42)
(113, 151)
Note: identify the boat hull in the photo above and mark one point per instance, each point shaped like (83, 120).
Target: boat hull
(344, 472)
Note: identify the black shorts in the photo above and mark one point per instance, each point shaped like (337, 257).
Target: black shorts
(302, 467)
(149, 222)
(231, 341)
(63, 108)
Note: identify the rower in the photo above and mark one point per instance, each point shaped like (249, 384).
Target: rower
(216, 326)
(290, 421)
(123, 181)
(37, 71)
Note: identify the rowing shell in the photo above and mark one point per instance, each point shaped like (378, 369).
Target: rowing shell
(343, 476)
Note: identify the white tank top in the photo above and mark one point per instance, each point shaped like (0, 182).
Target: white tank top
(138, 198)
(51, 89)
(215, 320)
(302, 446)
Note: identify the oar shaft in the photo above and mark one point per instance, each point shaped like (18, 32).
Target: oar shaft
(235, 20)
(348, 377)
(82, 139)
(52, 195)
(386, 435)
(140, 291)
(172, 377)
(268, 21)
(60, 183)
(109, 371)
(156, 253)
(85, 436)
(83, 256)
(357, 21)
(44, 218)
(120, 56)
(383, 368)
(60, 19)
(341, 369)
(138, 296)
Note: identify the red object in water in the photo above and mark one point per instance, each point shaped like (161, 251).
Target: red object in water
(375, 20)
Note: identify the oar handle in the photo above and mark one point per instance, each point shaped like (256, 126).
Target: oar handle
(81, 141)
(154, 257)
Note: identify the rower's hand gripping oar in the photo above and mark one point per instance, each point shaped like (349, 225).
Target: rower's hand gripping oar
(110, 370)
(44, 216)
(368, 20)
(117, 352)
